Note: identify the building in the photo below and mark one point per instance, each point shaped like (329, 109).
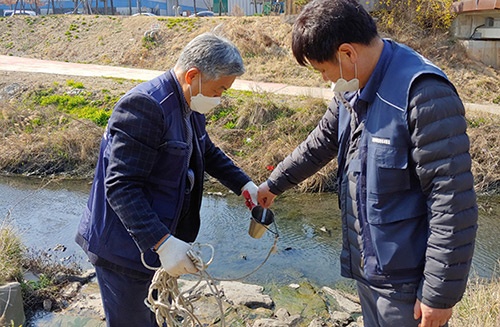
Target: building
(477, 26)
(116, 7)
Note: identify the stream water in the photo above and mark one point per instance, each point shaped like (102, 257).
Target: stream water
(46, 215)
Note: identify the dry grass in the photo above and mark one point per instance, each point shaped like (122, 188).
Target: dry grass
(11, 254)
(480, 305)
(258, 130)
(264, 43)
(267, 128)
(46, 142)
(484, 134)
(261, 130)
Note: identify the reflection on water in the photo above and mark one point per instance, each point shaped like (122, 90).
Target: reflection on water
(309, 231)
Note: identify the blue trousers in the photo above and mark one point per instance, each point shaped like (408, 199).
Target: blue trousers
(123, 299)
(388, 307)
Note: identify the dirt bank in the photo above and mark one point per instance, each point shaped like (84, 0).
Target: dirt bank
(263, 41)
(46, 139)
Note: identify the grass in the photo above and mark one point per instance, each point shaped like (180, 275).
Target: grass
(258, 130)
(15, 260)
(47, 142)
(76, 102)
(56, 128)
(11, 254)
(480, 305)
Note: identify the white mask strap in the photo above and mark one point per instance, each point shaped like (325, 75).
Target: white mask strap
(199, 82)
(340, 65)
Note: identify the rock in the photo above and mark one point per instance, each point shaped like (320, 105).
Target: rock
(12, 89)
(60, 247)
(30, 276)
(269, 323)
(11, 305)
(246, 294)
(294, 320)
(71, 290)
(282, 314)
(317, 322)
(340, 318)
(344, 303)
(87, 303)
(239, 302)
(47, 305)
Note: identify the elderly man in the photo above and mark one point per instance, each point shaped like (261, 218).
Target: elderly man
(147, 191)
(397, 128)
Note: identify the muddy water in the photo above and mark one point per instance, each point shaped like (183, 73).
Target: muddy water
(46, 215)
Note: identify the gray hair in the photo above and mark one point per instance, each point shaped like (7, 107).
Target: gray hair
(213, 55)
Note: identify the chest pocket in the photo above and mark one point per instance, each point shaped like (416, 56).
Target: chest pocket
(171, 164)
(387, 169)
(166, 179)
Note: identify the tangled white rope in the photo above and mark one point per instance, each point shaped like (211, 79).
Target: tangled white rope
(175, 308)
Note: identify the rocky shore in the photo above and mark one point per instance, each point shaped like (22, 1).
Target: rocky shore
(243, 304)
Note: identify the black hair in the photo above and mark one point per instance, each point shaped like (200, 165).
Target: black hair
(323, 25)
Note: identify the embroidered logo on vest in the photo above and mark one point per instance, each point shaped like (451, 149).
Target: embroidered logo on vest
(380, 140)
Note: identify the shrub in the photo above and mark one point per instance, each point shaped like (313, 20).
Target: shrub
(429, 16)
(11, 254)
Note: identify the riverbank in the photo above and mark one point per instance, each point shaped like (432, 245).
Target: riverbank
(50, 205)
(52, 125)
(52, 122)
(238, 304)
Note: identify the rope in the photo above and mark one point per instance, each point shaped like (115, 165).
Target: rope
(175, 308)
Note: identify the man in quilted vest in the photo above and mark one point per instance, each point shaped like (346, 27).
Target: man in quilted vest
(396, 126)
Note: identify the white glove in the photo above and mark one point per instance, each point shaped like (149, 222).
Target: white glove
(173, 257)
(249, 191)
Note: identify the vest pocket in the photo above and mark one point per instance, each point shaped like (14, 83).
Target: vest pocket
(387, 169)
(170, 165)
(167, 178)
(400, 245)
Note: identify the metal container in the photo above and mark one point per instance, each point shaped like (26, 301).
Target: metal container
(261, 218)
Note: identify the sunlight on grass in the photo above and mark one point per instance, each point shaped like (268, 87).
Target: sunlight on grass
(11, 252)
(480, 305)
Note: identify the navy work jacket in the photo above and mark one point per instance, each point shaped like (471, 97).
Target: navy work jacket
(140, 193)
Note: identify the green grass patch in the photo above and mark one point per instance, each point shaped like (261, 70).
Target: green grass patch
(78, 103)
(149, 42)
(73, 84)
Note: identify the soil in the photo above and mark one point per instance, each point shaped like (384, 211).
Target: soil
(263, 41)
(155, 42)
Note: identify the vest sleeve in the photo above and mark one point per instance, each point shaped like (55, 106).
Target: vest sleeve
(440, 152)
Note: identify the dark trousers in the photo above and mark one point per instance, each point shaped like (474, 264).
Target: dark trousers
(388, 307)
(123, 299)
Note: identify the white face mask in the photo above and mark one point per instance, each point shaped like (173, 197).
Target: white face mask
(201, 103)
(341, 85)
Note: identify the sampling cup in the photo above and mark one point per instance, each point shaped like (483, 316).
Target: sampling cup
(261, 218)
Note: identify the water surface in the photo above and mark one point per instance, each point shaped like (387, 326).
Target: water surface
(47, 214)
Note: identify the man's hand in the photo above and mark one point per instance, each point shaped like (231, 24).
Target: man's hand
(249, 192)
(431, 317)
(174, 258)
(264, 196)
